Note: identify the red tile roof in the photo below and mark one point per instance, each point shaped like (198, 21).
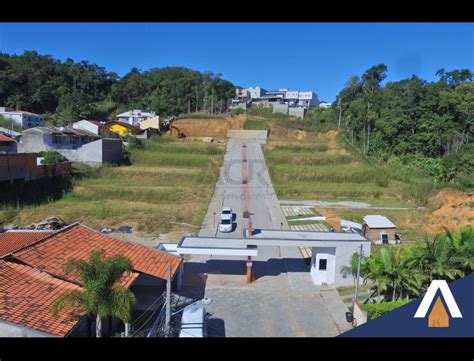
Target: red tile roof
(32, 277)
(77, 241)
(12, 241)
(4, 138)
(27, 297)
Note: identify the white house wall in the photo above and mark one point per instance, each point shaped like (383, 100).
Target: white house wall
(96, 153)
(24, 119)
(35, 142)
(343, 252)
(319, 277)
(86, 125)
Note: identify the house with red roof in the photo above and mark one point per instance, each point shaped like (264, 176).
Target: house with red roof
(23, 118)
(7, 144)
(32, 277)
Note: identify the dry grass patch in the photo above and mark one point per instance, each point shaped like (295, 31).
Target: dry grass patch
(170, 182)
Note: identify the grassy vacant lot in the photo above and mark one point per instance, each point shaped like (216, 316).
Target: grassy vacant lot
(169, 181)
(252, 123)
(309, 165)
(320, 167)
(410, 223)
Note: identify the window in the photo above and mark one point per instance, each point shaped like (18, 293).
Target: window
(323, 264)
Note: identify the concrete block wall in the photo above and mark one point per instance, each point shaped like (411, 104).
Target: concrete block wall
(297, 112)
(112, 150)
(96, 153)
(280, 108)
(33, 143)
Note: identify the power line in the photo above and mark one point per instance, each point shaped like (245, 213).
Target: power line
(152, 305)
(135, 332)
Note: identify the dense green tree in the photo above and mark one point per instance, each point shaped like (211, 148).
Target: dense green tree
(68, 91)
(429, 125)
(447, 256)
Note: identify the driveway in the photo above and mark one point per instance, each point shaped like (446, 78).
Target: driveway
(283, 301)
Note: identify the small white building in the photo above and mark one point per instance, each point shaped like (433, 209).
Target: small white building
(134, 117)
(379, 229)
(324, 104)
(256, 92)
(292, 98)
(308, 99)
(23, 118)
(92, 126)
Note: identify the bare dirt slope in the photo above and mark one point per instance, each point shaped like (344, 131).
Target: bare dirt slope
(213, 127)
(455, 209)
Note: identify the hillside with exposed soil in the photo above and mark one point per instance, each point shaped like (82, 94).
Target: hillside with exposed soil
(207, 127)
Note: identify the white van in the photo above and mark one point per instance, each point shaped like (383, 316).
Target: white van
(193, 322)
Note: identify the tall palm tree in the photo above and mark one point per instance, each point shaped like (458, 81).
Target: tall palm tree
(404, 272)
(447, 256)
(390, 270)
(372, 269)
(101, 295)
(462, 242)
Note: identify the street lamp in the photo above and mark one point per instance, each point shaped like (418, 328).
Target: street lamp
(281, 224)
(214, 219)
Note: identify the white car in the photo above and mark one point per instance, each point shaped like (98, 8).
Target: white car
(226, 212)
(226, 224)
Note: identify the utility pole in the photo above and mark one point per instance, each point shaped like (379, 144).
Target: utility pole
(168, 301)
(357, 280)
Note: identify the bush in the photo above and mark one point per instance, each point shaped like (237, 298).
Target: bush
(375, 310)
(133, 142)
(51, 157)
(237, 111)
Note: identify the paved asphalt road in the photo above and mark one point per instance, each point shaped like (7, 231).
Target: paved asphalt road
(283, 301)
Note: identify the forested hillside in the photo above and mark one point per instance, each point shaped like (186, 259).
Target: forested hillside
(68, 91)
(428, 125)
(424, 124)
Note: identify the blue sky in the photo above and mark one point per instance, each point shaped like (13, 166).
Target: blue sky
(314, 56)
